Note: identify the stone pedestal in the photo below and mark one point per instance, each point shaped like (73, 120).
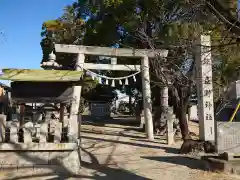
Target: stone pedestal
(72, 162)
(59, 162)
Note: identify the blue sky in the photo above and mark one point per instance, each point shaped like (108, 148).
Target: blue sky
(21, 22)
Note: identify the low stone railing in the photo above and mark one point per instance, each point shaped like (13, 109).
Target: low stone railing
(45, 143)
(47, 135)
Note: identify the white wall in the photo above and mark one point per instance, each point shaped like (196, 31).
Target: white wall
(194, 113)
(122, 97)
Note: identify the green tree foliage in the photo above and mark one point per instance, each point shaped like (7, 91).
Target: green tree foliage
(67, 29)
(173, 25)
(169, 24)
(225, 44)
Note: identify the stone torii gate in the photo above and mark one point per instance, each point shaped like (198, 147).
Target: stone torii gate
(144, 54)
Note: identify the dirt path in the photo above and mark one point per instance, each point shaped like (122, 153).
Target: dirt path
(120, 152)
(136, 158)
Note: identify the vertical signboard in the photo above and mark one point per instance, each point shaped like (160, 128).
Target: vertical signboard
(205, 89)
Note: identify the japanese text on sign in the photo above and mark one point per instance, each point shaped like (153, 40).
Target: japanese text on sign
(209, 117)
(207, 92)
(208, 105)
(207, 80)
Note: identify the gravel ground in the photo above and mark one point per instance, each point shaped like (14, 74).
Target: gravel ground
(121, 152)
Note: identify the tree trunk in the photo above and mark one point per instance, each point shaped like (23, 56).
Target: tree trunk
(138, 113)
(189, 113)
(159, 122)
(157, 118)
(182, 111)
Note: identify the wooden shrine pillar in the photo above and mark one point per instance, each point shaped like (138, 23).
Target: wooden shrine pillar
(74, 116)
(77, 89)
(147, 104)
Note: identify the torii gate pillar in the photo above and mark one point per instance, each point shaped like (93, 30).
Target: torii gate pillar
(147, 98)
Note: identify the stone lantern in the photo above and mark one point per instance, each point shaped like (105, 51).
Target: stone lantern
(51, 64)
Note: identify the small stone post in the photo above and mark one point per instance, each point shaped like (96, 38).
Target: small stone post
(170, 130)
